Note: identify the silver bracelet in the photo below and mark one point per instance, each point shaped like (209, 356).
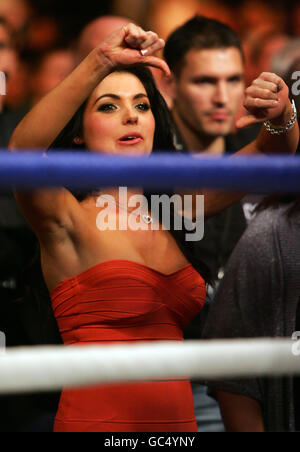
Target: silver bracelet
(279, 130)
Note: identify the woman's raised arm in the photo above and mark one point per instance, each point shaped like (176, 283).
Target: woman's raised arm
(50, 211)
(267, 99)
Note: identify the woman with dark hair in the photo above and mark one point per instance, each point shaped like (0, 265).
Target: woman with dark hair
(122, 284)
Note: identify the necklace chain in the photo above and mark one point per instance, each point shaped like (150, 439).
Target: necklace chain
(147, 219)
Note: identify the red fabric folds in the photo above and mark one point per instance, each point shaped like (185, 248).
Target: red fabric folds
(125, 301)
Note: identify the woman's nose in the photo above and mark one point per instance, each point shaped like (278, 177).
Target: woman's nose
(130, 117)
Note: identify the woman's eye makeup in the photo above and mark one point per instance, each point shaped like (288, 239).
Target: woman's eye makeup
(108, 107)
(143, 106)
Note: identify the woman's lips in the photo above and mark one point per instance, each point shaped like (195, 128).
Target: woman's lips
(130, 139)
(130, 142)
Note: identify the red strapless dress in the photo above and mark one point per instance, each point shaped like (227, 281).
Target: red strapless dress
(124, 301)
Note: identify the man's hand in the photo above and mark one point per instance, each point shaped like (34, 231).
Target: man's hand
(132, 45)
(267, 99)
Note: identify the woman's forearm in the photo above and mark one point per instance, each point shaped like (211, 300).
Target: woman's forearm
(216, 201)
(280, 144)
(279, 112)
(266, 143)
(46, 120)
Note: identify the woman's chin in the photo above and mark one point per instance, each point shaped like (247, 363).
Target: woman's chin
(133, 151)
(128, 151)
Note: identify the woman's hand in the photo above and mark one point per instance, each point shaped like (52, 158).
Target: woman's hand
(132, 45)
(267, 99)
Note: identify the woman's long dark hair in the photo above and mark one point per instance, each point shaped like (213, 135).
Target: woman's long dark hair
(163, 142)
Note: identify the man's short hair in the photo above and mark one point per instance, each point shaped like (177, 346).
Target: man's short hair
(198, 33)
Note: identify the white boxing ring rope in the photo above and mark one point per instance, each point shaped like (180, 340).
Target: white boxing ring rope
(38, 369)
(35, 369)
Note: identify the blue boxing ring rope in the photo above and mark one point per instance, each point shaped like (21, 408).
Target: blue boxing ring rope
(259, 174)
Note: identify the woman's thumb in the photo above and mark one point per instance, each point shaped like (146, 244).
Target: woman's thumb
(246, 121)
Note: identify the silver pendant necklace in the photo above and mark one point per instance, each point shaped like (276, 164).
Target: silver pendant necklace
(147, 219)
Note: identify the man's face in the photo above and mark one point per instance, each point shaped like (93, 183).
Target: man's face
(209, 90)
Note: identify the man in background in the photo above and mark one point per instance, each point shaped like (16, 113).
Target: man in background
(206, 91)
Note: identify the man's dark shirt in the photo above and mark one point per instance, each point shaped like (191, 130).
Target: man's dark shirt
(221, 232)
(297, 381)
(258, 297)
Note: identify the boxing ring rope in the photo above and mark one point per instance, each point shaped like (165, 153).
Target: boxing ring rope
(257, 174)
(50, 368)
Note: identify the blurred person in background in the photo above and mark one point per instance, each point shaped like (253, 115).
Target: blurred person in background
(17, 244)
(95, 32)
(262, 283)
(283, 60)
(42, 34)
(52, 68)
(295, 19)
(165, 16)
(136, 10)
(17, 14)
(9, 118)
(219, 10)
(257, 15)
(260, 46)
(11, 219)
(17, 95)
(207, 88)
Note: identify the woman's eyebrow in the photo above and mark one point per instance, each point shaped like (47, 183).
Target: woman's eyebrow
(114, 96)
(138, 96)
